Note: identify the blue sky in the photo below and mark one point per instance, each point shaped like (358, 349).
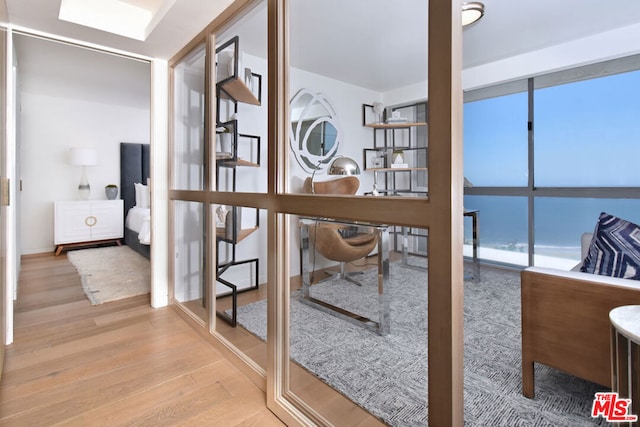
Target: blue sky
(586, 133)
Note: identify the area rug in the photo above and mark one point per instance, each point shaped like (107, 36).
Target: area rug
(387, 375)
(111, 273)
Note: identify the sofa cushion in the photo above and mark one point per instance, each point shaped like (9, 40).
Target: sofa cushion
(614, 249)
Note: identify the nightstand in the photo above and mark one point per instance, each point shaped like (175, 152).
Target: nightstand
(90, 222)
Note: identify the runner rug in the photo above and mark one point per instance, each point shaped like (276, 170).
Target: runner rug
(111, 273)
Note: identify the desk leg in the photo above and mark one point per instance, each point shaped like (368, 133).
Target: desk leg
(383, 278)
(476, 244)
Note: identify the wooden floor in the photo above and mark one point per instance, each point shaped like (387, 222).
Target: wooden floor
(116, 364)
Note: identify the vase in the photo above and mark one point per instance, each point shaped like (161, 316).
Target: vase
(111, 192)
(397, 157)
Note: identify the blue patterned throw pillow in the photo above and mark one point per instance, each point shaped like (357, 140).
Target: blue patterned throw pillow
(614, 249)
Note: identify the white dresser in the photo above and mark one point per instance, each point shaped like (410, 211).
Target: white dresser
(87, 222)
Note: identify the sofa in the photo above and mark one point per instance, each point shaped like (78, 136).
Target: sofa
(565, 320)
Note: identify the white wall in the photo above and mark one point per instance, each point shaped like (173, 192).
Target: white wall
(72, 97)
(347, 100)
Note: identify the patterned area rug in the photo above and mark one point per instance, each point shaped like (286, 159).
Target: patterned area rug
(387, 375)
(111, 273)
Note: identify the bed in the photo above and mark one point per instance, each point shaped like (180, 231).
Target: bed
(134, 191)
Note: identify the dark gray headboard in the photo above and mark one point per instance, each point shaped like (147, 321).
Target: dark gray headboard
(134, 168)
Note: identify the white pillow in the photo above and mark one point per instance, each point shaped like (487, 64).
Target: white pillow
(142, 195)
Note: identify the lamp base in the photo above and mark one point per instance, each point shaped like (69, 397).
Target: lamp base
(84, 189)
(84, 192)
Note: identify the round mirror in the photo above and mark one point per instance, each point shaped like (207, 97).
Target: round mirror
(314, 134)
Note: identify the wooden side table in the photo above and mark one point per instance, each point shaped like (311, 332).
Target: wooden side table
(625, 354)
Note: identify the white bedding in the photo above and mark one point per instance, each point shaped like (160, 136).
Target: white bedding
(139, 220)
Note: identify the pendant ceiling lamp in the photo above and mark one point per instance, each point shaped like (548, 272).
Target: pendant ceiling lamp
(471, 12)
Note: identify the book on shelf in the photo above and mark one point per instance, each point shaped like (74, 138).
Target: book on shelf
(399, 165)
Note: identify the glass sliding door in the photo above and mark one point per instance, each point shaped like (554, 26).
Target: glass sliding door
(4, 188)
(188, 163)
(189, 252)
(218, 178)
(188, 157)
(241, 151)
(357, 290)
(258, 138)
(358, 324)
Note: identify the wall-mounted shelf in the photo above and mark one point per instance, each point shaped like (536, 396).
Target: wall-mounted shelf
(235, 89)
(221, 234)
(400, 143)
(398, 125)
(234, 149)
(395, 169)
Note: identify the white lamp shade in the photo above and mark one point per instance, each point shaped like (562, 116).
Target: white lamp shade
(81, 156)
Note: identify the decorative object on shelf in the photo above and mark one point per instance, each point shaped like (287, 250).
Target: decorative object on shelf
(378, 160)
(374, 115)
(83, 156)
(396, 118)
(225, 139)
(314, 134)
(397, 159)
(472, 12)
(111, 191)
(378, 108)
(248, 79)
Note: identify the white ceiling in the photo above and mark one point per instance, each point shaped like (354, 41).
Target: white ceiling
(180, 24)
(340, 38)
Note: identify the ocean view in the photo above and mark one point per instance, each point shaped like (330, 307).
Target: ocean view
(558, 226)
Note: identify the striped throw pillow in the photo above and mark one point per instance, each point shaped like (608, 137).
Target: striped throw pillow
(614, 249)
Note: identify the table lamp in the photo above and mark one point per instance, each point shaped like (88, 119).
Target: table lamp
(81, 156)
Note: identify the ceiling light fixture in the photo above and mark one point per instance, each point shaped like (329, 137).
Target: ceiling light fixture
(471, 12)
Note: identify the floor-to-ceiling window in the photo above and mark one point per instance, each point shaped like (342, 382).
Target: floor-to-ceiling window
(546, 156)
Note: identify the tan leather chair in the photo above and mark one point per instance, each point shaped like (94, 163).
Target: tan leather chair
(337, 242)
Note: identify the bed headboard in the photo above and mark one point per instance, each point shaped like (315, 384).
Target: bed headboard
(134, 168)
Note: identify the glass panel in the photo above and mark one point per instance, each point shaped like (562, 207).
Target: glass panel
(586, 133)
(496, 128)
(241, 111)
(189, 247)
(502, 226)
(337, 117)
(560, 222)
(358, 335)
(241, 277)
(189, 109)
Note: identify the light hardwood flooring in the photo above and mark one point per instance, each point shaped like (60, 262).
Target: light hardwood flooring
(116, 364)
